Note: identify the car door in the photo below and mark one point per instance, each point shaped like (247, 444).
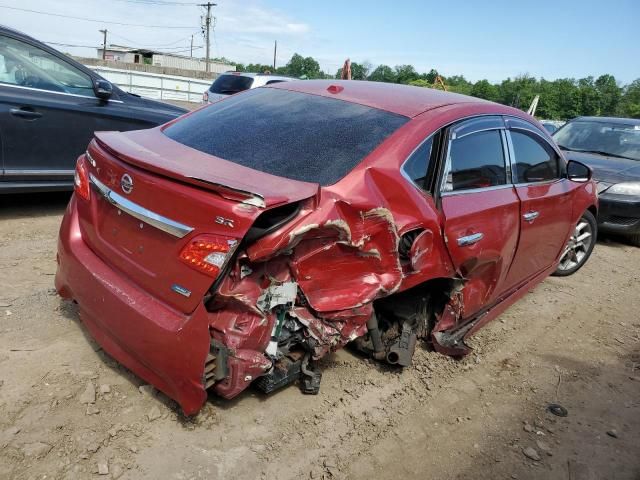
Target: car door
(546, 200)
(481, 209)
(48, 113)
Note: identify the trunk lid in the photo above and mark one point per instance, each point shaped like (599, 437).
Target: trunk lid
(150, 199)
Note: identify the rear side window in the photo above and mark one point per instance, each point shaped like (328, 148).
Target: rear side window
(534, 162)
(230, 84)
(289, 134)
(477, 161)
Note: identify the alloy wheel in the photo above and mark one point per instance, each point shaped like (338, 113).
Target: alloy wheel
(578, 247)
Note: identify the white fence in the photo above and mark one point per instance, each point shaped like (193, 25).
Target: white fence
(155, 85)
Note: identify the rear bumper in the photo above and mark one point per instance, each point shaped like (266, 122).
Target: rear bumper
(164, 347)
(619, 214)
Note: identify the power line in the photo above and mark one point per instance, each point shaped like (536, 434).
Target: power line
(91, 19)
(95, 46)
(160, 3)
(135, 42)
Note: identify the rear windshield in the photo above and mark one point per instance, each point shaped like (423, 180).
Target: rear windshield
(289, 134)
(230, 84)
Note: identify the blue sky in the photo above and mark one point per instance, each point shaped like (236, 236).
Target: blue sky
(491, 39)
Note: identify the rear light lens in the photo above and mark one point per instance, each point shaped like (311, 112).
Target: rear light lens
(81, 179)
(208, 253)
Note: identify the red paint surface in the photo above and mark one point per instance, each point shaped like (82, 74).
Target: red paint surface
(341, 248)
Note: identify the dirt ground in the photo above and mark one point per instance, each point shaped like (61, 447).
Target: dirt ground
(573, 341)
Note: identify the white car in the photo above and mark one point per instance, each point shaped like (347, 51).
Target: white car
(233, 82)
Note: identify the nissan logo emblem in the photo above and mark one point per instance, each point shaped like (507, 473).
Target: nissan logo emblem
(126, 183)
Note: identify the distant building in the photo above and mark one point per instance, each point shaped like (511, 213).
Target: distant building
(143, 56)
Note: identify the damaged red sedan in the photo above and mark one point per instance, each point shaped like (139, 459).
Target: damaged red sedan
(241, 243)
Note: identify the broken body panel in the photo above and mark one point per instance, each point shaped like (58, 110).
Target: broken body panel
(310, 282)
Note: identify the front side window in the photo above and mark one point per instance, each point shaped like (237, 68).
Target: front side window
(534, 162)
(24, 65)
(476, 161)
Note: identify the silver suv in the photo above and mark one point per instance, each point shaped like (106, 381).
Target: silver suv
(233, 82)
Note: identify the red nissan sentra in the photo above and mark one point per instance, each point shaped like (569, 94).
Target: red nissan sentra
(242, 242)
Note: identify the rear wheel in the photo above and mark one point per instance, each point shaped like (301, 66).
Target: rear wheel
(579, 247)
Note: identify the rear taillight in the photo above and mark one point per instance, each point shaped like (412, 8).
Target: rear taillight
(81, 179)
(205, 96)
(208, 253)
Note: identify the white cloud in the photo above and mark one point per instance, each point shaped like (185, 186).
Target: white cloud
(257, 20)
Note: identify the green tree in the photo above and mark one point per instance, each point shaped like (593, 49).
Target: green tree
(405, 73)
(458, 84)
(486, 90)
(589, 96)
(518, 92)
(431, 76)
(383, 73)
(420, 82)
(630, 104)
(300, 66)
(610, 94)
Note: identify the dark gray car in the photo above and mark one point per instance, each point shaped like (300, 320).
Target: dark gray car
(611, 147)
(50, 105)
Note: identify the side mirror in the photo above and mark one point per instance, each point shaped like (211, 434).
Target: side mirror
(578, 172)
(102, 88)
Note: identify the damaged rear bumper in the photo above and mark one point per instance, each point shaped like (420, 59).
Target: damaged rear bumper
(164, 347)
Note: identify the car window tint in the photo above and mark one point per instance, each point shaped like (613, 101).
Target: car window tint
(533, 161)
(28, 66)
(477, 161)
(289, 134)
(417, 164)
(230, 84)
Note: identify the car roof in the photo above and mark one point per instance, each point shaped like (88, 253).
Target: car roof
(400, 99)
(14, 32)
(254, 75)
(617, 120)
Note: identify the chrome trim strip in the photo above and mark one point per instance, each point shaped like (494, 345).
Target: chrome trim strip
(10, 85)
(165, 224)
(542, 182)
(50, 173)
(475, 190)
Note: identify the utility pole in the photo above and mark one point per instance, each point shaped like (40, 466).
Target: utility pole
(104, 43)
(191, 51)
(275, 50)
(207, 24)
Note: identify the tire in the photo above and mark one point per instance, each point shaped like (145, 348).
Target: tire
(580, 245)
(635, 240)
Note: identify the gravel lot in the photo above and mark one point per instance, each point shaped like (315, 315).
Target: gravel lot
(69, 411)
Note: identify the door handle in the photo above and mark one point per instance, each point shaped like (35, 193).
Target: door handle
(470, 239)
(530, 216)
(25, 113)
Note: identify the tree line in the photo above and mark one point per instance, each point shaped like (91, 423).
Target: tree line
(560, 99)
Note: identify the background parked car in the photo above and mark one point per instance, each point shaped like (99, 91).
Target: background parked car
(50, 105)
(234, 82)
(611, 147)
(551, 126)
